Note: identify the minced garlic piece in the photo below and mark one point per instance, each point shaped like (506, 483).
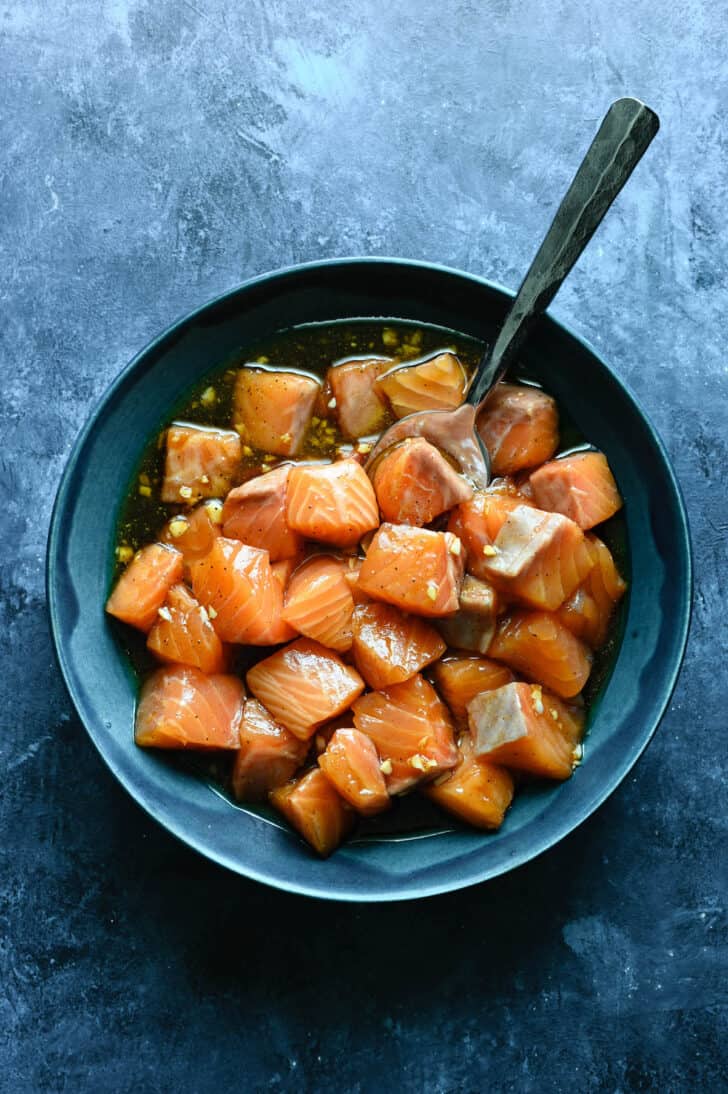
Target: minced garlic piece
(577, 754)
(145, 480)
(390, 337)
(263, 360)
(247, 450)
(286, 438)
(364, 447)
(432, 590)
(185, 492)
(214, 511)
(554, 714)
(239, 428)
(331, 404)
(178, 526)
(455, 546)
(124, 554)
(165, 613)
(537, 699)
(490, 550)
(145, 491)
(211, 612)
(422, 763)
(269, 457)
(208, 397)
(386, 767)
(204, 478)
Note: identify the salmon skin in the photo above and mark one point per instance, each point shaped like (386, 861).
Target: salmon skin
(319, 602)
(192, 533)
(201, 462)
(540, 647)
(390, 646)
(181, 707)
(412, 730)
(142, 588)
(437, 382)
(475, 791)
(304, 685)
(317, 812)
(520, 428)
(351, 763)
(415, 569)
(268, 755)
(361, 407)
(236, 585)
(580, 486)
(273, 408)
(255, 513)
(460, 677)
(588, 612)
(183, 634)
(334, 503)
(414, 483)
(524, 727)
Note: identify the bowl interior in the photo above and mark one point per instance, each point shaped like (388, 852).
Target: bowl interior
(102, 685)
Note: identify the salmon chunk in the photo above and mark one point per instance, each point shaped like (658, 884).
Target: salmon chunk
(437, 382)
(184, 635)
(193, 533)
(520, 428)
(543, 649)
(244, 599)
(580, 487)
(304, 685)
(415, 569)
(478, 521)
(200, 462)
(414, 483)
(361, 407)
(473, 625)
(268, 755)
(412, 730)
(538, 558)
(180, 707)
(273, 408)
(460, 678)
(255, 513)
(317, 812)
(334, 503)
(588, 612)
(523, 727)
(476, 791)
(143, 586)
(319, 602)
(390, 646)
(351, 764)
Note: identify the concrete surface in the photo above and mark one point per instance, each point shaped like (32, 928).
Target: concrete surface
(154, 154)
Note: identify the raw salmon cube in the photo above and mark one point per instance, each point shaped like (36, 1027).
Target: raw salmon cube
(390, 646)
(255, 513)
(580, 487)
(143, 586)
(437, 382)
(460, 678)
(244, 599)
(523, 727)
(361, 408)
(477, 523)
(334, 503)
(351, 763)
(200, 462)
(315, 810)
(473, 625)
(304, 685)
(412, 730)
(268, 755)
(414, 483)
(183, 634)
(520, 428)
(319, 602)
(193, 533)
(273, 408)
(588, 612)
(415, 569)
(538, 557)
(537, 645)
(180, 707)
(475, 791)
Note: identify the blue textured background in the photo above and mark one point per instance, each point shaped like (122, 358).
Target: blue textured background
(153, 154)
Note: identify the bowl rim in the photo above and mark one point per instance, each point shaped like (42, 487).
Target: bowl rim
(539, 846)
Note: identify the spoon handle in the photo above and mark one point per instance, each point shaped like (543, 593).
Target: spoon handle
(623, 138)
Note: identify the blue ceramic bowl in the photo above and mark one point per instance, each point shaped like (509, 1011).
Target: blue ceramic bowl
(626, 711)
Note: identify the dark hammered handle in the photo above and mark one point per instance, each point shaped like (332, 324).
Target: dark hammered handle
(623, 138)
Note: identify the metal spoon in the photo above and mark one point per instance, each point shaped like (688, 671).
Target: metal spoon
(622, 139)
